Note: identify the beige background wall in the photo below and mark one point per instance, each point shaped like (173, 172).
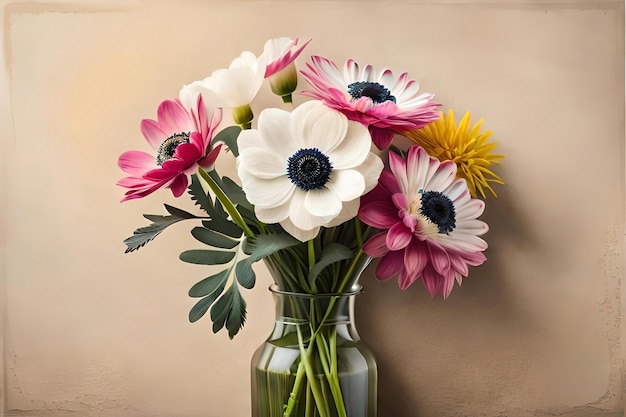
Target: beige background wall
(88, 331)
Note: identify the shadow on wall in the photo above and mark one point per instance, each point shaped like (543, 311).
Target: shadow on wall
(467, 354)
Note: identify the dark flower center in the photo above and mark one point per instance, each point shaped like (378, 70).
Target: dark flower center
(309, 169)
(169, 145)
(439, 209)
(377, 92)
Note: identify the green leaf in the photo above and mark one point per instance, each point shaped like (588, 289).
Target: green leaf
(211, 238)
(235, 193)
(237, 313)
(145, 234)
(223, 226)
(229, 137)
(332, 253)
(202, 306)
(288, 340)
(244, 273)
(219, 311)
(179, 213)
(206, 257)
(258, 247)
(229, 311)
(200, 196)
(210, 284)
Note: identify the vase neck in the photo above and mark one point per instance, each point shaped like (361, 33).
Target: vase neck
(316, 309)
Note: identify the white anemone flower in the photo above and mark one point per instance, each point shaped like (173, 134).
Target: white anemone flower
(306, 169)
(233, 88)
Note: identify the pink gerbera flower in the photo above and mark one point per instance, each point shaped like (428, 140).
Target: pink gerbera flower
(382, 102)
(429, 222)
(181, 140)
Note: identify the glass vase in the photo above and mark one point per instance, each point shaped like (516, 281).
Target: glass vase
(314, 363)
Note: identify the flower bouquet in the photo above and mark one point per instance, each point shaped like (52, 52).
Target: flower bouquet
(324, 186)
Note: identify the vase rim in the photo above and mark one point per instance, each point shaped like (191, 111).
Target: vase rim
(355, 290)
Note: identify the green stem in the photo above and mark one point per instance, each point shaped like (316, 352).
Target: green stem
(305, 356)
(226, 202)
(311, 253)
(328, 358)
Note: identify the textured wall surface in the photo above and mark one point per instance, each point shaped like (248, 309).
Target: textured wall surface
(536, 331)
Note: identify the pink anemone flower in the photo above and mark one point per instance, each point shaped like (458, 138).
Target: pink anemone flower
(428, 220)
(384, 103)
(181, 140)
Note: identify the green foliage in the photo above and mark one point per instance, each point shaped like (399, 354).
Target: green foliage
(202, 306)
(332, 253)
(235, 193)
(229, 311)
(206, 257)
(143, 235)
(229, 136)
(215, 239)
(210, 284)
(198, 195)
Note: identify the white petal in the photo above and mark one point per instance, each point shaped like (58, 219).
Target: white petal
(353, 149)
(331, 73)
(346, 184)
(272, 215)
(387, 79)
(348, 211)
(262, 163)
(266, 193)
(444, 176)
(351, 71)
(300, 234)
(322, 203)
(275, 128)
(457, 189)
(371, 169)
(319, 126)
(299, 214)
(471, 227)
(249, 139)
(471, 210)
(368, 74)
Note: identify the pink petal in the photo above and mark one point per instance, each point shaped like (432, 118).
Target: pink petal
(390, 265)
(458, 264)
(389, 182)
(139, 187)
(173, 166)
(400, 201)
(378, 214)
(432, 281)
(208, 161)
(173, 118)
(189, 153)
(415, 258)
(179, 185)
(382, 138)
(153, 133)
(447, 284)
(286, 59)
(406, 279)
(376, 246)
(398, 237)
(439, 258)
(136, 163)
(202, 117)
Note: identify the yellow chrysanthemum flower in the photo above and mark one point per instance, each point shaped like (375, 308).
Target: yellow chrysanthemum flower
(466, 146)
